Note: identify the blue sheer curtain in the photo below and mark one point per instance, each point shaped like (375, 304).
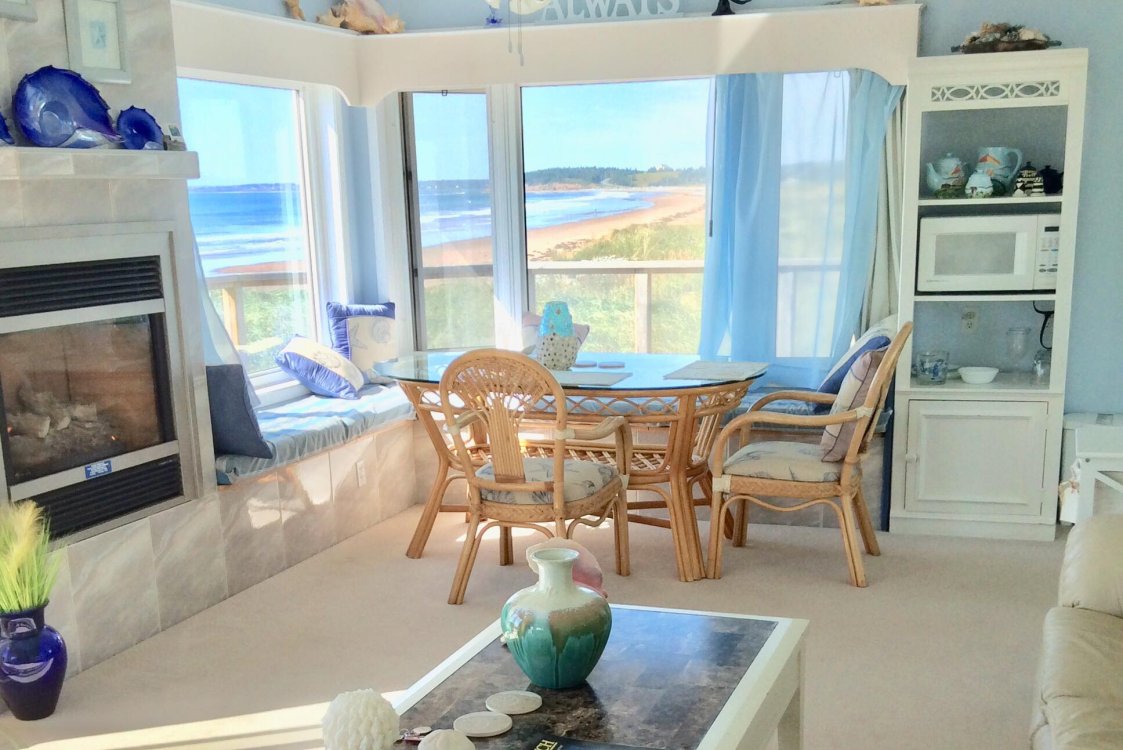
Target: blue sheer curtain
(872, 101)
(793, 199)
(742, 249)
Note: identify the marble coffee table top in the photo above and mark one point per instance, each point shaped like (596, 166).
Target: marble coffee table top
(662, 681)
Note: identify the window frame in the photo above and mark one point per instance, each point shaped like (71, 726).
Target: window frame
(273, 385)
(508, 221)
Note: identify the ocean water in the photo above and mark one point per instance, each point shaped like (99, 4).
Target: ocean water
(242, 227)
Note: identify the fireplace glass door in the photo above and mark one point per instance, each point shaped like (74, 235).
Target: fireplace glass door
(76, 395)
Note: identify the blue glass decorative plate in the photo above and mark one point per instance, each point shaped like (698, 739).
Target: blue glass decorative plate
(139, 130)
(5, 134)
(59, 108)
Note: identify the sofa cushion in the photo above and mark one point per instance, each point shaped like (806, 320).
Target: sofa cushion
(582, 478)
(1092, 574)
(1081, 679)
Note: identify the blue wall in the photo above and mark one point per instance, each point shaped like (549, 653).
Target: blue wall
(1096, 354)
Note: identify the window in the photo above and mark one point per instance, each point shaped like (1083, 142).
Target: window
(812, 211)
(615, 208)
(249, 209)
(450, 218)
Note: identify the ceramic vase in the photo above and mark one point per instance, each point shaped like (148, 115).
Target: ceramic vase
(556, 629)
(557, 352)
(32, 664)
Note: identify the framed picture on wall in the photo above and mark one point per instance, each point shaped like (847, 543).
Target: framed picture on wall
(95, 39)
(24, 10)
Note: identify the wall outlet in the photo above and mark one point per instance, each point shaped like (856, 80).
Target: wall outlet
(361, 472)
(969, 321)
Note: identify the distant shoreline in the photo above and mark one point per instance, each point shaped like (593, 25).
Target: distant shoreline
(670, 205)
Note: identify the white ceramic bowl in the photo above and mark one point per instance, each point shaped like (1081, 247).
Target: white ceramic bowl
(978, 375)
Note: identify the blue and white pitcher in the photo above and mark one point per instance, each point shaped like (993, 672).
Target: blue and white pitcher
(1001, 164)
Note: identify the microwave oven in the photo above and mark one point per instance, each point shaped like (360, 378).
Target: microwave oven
(988, 253)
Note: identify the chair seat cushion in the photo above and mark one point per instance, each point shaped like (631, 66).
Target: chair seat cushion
(582, 478)
(799, 462)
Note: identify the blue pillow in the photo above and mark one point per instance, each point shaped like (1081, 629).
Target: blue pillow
(321, 370)
(233, 422)
(872, 339)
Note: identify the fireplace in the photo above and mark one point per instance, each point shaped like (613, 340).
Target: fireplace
(85, 385)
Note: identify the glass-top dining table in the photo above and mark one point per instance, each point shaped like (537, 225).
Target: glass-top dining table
(676, 414)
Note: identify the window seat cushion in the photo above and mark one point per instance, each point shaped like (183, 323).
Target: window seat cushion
(311, 424)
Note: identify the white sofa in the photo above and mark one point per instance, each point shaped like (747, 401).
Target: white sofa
(1080, 677)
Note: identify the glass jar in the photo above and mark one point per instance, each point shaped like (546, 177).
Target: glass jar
(1042, 365)
(1017, 344)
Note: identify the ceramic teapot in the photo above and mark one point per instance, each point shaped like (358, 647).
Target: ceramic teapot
(1052, 180)
(980, 185)
(946, 172)
(1000, 163)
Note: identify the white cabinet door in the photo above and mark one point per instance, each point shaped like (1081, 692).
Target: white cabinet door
(975, 457)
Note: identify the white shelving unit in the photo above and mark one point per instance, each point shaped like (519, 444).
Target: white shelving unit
(983, 460)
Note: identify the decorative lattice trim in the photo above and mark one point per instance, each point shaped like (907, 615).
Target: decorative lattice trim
(966, 92)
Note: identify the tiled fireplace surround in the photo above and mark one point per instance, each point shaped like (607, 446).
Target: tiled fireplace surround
(124, 585)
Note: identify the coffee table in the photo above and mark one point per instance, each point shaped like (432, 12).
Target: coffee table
(669, 679)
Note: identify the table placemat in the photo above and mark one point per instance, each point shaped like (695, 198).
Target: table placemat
(703, 370)
(661, 682)
(589, 377)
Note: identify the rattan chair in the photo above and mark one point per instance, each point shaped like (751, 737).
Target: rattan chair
(743, 477)
(498, 391)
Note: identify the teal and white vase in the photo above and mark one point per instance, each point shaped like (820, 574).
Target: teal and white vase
(556, 629)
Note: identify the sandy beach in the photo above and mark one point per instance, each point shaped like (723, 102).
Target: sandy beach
(671, 206)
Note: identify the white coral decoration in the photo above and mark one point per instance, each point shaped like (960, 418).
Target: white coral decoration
(360, 720)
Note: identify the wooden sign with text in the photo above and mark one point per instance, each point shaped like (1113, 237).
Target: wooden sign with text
(584, 10)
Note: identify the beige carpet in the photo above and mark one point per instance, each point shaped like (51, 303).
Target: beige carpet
(938, 653)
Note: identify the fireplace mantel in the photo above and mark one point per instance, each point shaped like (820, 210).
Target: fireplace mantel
(25, 163)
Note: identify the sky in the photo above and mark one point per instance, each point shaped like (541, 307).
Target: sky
(244, 134)
(249, 134)
(627, 125)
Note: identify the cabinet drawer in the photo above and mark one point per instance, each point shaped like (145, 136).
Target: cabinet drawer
(975, 458)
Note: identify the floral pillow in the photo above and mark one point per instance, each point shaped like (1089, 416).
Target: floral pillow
(851, 394)
(364, 334)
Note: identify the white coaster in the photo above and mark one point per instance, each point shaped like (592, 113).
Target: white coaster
(610, 365)
(513, 702)
(483, 724)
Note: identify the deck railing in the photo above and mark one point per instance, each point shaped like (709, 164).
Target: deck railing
(794, 275)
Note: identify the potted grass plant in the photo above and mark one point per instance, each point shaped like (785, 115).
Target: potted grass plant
(32, 654)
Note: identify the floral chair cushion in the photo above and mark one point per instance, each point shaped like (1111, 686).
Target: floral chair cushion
(798, 462)
(582, 478)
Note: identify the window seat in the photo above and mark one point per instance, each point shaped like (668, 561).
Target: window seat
(312, 424)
